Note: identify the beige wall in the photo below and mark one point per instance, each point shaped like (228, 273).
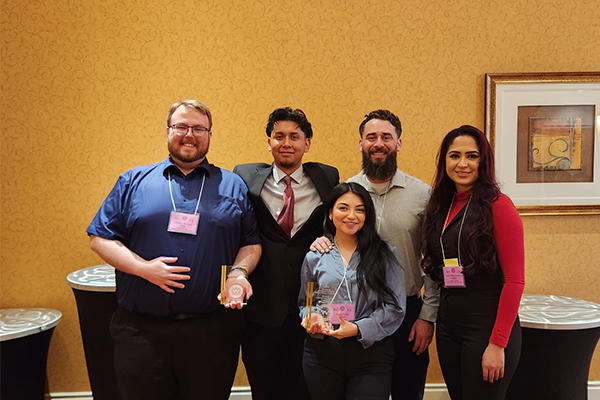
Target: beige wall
(85, 89)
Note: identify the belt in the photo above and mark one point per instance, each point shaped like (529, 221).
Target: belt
(178, 317)
(174, 317)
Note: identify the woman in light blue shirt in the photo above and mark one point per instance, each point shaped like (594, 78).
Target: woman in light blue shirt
(358, 302)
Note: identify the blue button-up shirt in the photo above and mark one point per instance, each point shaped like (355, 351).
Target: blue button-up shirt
(137, 211)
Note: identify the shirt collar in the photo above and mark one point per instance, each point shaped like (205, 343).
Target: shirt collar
(399, 179)
(297, 175)
(203, 168)
(463, 195)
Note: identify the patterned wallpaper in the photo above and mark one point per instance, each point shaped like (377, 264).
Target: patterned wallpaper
(85, 87)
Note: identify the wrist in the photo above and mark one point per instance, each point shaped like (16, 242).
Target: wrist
(495, 346)
(238, 272)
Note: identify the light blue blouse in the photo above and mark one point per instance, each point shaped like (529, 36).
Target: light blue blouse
(376, 318)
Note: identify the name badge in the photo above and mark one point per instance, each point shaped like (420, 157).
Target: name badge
(183, 223)
(346, 310)
(453, 274)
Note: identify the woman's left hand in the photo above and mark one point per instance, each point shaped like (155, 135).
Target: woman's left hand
(346, 329)
(492, 363)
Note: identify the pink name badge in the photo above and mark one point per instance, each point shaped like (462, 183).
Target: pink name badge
(453, 277)
(347, 311)
(183, 223)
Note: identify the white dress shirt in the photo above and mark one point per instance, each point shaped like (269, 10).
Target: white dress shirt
(306, 197)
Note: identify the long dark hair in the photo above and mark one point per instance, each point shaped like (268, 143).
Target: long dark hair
(478, 249)
(374, 252)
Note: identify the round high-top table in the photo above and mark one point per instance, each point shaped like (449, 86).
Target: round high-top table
(559, 338)
(25, 335)
(94, 290)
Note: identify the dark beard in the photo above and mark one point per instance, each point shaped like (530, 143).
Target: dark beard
(379, 171)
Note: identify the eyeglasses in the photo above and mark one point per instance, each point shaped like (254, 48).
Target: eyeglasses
(181, 129)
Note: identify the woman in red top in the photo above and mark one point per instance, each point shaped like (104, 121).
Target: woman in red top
(474, 247)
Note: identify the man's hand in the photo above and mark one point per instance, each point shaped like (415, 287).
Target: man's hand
(346, 329)
(492, 363)
(241, 280)
(155, 271)
(321, 244)
(165, 276)
(421, 334)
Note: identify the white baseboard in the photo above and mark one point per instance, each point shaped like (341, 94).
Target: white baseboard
(433, 391)
(437, 391)
(593, 390)
(70, 396)
(240, 393)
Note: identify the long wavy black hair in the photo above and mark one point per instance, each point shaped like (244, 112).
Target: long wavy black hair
(478, 250)
(374, 252)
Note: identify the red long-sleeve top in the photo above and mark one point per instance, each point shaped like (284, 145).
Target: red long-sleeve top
(508, 235)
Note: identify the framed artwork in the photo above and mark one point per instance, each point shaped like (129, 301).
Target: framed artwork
(544, 129)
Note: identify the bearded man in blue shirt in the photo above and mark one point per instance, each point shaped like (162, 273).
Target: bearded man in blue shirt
(167, 228)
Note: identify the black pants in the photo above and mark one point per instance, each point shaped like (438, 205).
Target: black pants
(464, 325)
(186, 359)
(410, 370)
(273, 360)
(342, 369)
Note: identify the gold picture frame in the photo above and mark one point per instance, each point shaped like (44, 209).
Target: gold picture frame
(544, 129)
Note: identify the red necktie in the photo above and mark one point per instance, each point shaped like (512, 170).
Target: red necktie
(286, 216)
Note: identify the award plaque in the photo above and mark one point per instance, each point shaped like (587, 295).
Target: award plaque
(230, 290)
(318, 300)
(329, 303)
(310, 290)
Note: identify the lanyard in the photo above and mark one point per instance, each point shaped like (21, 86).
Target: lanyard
(199, 196)
(462, 222)
(344, 279)
(387, 189)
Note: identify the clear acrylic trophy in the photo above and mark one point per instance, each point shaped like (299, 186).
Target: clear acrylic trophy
(230, 290)
(318, 300)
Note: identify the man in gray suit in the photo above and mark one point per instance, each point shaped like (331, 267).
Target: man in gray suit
(288, 198)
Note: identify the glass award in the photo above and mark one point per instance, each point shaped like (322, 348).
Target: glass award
(310, 291)
(317, 301)
(331, 303)
(325, 296)
(230, 290)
